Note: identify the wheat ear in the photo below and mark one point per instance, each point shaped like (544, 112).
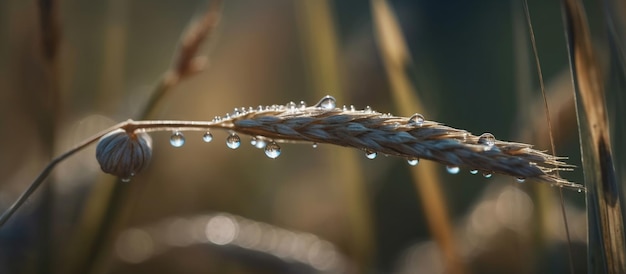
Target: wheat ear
(412, 138)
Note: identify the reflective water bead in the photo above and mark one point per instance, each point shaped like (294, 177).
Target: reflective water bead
(474, 171)
(217, 119)
(352, 108)
(487, 174)
(580, 190)
(487, 139)
(453, 169)
(272, 150)
(177, 139)
(416, 120)
(253, 141)
(370, 154)
(314, 145)
(260, 143)
(520, 179)
(233, 141)
(207, 137)
(368, 109)
(291, 106)
(327, 103)
(413, 161)
(302, 105)
(125, 180)
(344, 108)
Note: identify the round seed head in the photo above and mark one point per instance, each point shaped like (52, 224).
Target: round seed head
(124, 154)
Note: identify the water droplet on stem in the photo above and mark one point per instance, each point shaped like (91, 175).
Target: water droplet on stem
(177, 139)
(233, 141)
(272, 150)
(416, 120)
(207, 137)
(327, 103)
(413, 161)
(453, 169)
(370, 154)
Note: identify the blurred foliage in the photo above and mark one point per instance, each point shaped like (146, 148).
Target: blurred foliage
(111, 54)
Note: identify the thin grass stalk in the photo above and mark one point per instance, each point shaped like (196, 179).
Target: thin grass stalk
(367, 130)
(396, 58)
(607, 246)
(49, 35)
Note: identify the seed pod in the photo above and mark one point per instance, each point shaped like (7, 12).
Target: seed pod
(124, 154)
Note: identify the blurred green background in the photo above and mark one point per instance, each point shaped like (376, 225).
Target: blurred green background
(470, 65)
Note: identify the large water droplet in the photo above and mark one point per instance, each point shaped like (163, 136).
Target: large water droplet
(327, 103)
(453, 169)
(413, 161)
(487, 139)
(272, 150)
(474, 171)
(207, 137)
(487, 174)
(370, 154)
(233, 141)
(177, 139)
(416, 120)
(520, 179)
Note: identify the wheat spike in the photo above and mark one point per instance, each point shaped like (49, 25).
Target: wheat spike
(408, 137)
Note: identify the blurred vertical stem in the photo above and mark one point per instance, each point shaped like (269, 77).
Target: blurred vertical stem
(396, 58)
(319, 38)
(111, 203)
(604, 198)
(49, 35)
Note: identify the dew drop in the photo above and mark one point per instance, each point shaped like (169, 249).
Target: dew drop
(233, 141)
(474, 171)
(344, 108)
(302, 105)
(314, 145)
(253, 141)
(125, 180)
(453, 169)
(352, 108)
(177, 139)
(207, 137)
(580, 190)
(487, 139)
(370, 154)
(327, 103)
(260, 143)
(272, 150)
(520, 179)
(416, 120)
(217, 119)
(291, 106)
(368, 109)
(259, 108)
(487, 174)
(413, 161)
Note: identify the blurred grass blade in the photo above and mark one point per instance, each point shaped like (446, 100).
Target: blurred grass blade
(319, 36)
(604, 200)
(396, 57)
